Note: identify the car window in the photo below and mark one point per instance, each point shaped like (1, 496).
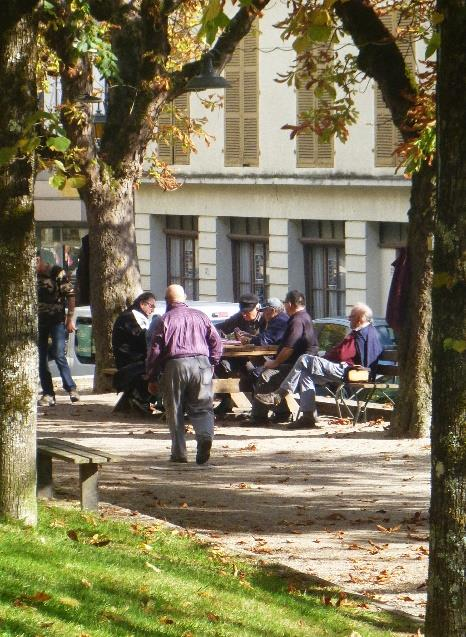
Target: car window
(329, 335)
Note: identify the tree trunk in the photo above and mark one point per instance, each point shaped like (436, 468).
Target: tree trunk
(412, 414)
(18, 301)
(446, 600)
(380, 58)
(115, 279)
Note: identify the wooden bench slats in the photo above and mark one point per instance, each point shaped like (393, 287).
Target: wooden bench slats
(92, 455)
(226, 385)
(88, 459)
(373, 385)
(60, 454)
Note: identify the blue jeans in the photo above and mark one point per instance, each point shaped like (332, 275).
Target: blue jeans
(57, 333)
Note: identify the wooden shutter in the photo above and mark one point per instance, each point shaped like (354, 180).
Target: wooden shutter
(233, 144)
(181, 155)
(241, 104)
(387, 135)
(174, 153)
(311, 151)
(164, 151)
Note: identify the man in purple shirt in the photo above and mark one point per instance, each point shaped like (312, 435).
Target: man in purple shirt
(185, 347)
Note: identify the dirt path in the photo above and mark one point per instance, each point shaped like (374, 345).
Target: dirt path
(343, 503)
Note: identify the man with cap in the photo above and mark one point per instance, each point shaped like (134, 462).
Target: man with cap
(247, 322)
(248, 319)
(273, 327)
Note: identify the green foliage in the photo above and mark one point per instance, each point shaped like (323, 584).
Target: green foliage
(457, 345)
(78, 574)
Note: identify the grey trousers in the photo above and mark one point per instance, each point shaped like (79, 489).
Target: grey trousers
(309, 371)
(186, 385)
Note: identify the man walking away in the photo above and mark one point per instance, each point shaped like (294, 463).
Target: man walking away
(185, 347)
(54, 292)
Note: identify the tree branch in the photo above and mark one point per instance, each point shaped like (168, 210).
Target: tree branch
(380, 58)
(223, 49)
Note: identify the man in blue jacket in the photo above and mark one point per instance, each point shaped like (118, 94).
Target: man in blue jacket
(273, 328)
(360, 347)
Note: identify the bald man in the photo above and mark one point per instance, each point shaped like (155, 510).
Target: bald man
(185, 346)
(360, 347)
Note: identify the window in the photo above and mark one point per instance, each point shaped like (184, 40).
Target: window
(174, 152)
(324, 262)
(387, 136)
(311, 151)
(241, 104)
(181, 236)
(393, 235)
(250, 248)
(61, 246)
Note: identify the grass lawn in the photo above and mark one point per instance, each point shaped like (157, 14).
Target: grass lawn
(77, 575)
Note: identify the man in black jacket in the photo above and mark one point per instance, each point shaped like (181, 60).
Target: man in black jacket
(299, 338)
(129, 346)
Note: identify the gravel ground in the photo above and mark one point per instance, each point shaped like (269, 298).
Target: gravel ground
(340, 502)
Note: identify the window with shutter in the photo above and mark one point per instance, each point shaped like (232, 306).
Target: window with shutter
(241, 104)
(174, 153)
(387, 135)
(311, 151)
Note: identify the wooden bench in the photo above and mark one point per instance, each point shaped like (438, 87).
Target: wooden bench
(386, 373)
(88, 459)
(231, 386)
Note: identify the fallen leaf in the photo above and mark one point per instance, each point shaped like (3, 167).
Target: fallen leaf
(153, 567)
(166, 620)
(72, 535)
(86, 583)
(212, 617)
(69, 601)
(41, 596)
(184, 505)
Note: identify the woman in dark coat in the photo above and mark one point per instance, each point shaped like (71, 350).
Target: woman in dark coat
(130, 350)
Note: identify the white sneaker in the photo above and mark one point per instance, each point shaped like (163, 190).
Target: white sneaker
(46, 401)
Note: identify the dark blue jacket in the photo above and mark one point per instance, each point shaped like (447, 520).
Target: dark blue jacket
(273, 333)
(368, 346)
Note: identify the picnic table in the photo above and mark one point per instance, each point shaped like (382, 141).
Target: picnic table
(231, 385)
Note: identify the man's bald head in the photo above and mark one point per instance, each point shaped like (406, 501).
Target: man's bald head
(175, 294)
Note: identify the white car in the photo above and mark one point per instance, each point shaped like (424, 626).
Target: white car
(80, 348)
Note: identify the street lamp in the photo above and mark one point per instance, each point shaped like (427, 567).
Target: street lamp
(207, 79)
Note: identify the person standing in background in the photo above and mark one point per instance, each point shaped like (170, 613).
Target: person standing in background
(56, 300)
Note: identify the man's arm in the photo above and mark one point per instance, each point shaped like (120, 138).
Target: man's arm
(69, 323)
(282, 356)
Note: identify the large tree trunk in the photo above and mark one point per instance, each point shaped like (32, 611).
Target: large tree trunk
(380, 58)
(18, 306)
(446, 599)
(412, 414)
(115, 279)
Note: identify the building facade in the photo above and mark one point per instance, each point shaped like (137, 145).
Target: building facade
(260, 212)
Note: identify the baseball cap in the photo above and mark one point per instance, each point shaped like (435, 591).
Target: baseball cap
(273, 302)
(248, 302)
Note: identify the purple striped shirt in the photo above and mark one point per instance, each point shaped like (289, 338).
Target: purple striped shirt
(182, 332)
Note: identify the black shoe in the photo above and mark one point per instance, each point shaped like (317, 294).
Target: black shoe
(203, 450)
(281, 419)
(256, 421)
(178, 459)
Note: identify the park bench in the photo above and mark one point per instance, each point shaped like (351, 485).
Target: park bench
(88, 459)
(354, 397)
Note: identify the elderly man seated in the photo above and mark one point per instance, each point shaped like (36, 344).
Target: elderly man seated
(360, 347)
(273, 327)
